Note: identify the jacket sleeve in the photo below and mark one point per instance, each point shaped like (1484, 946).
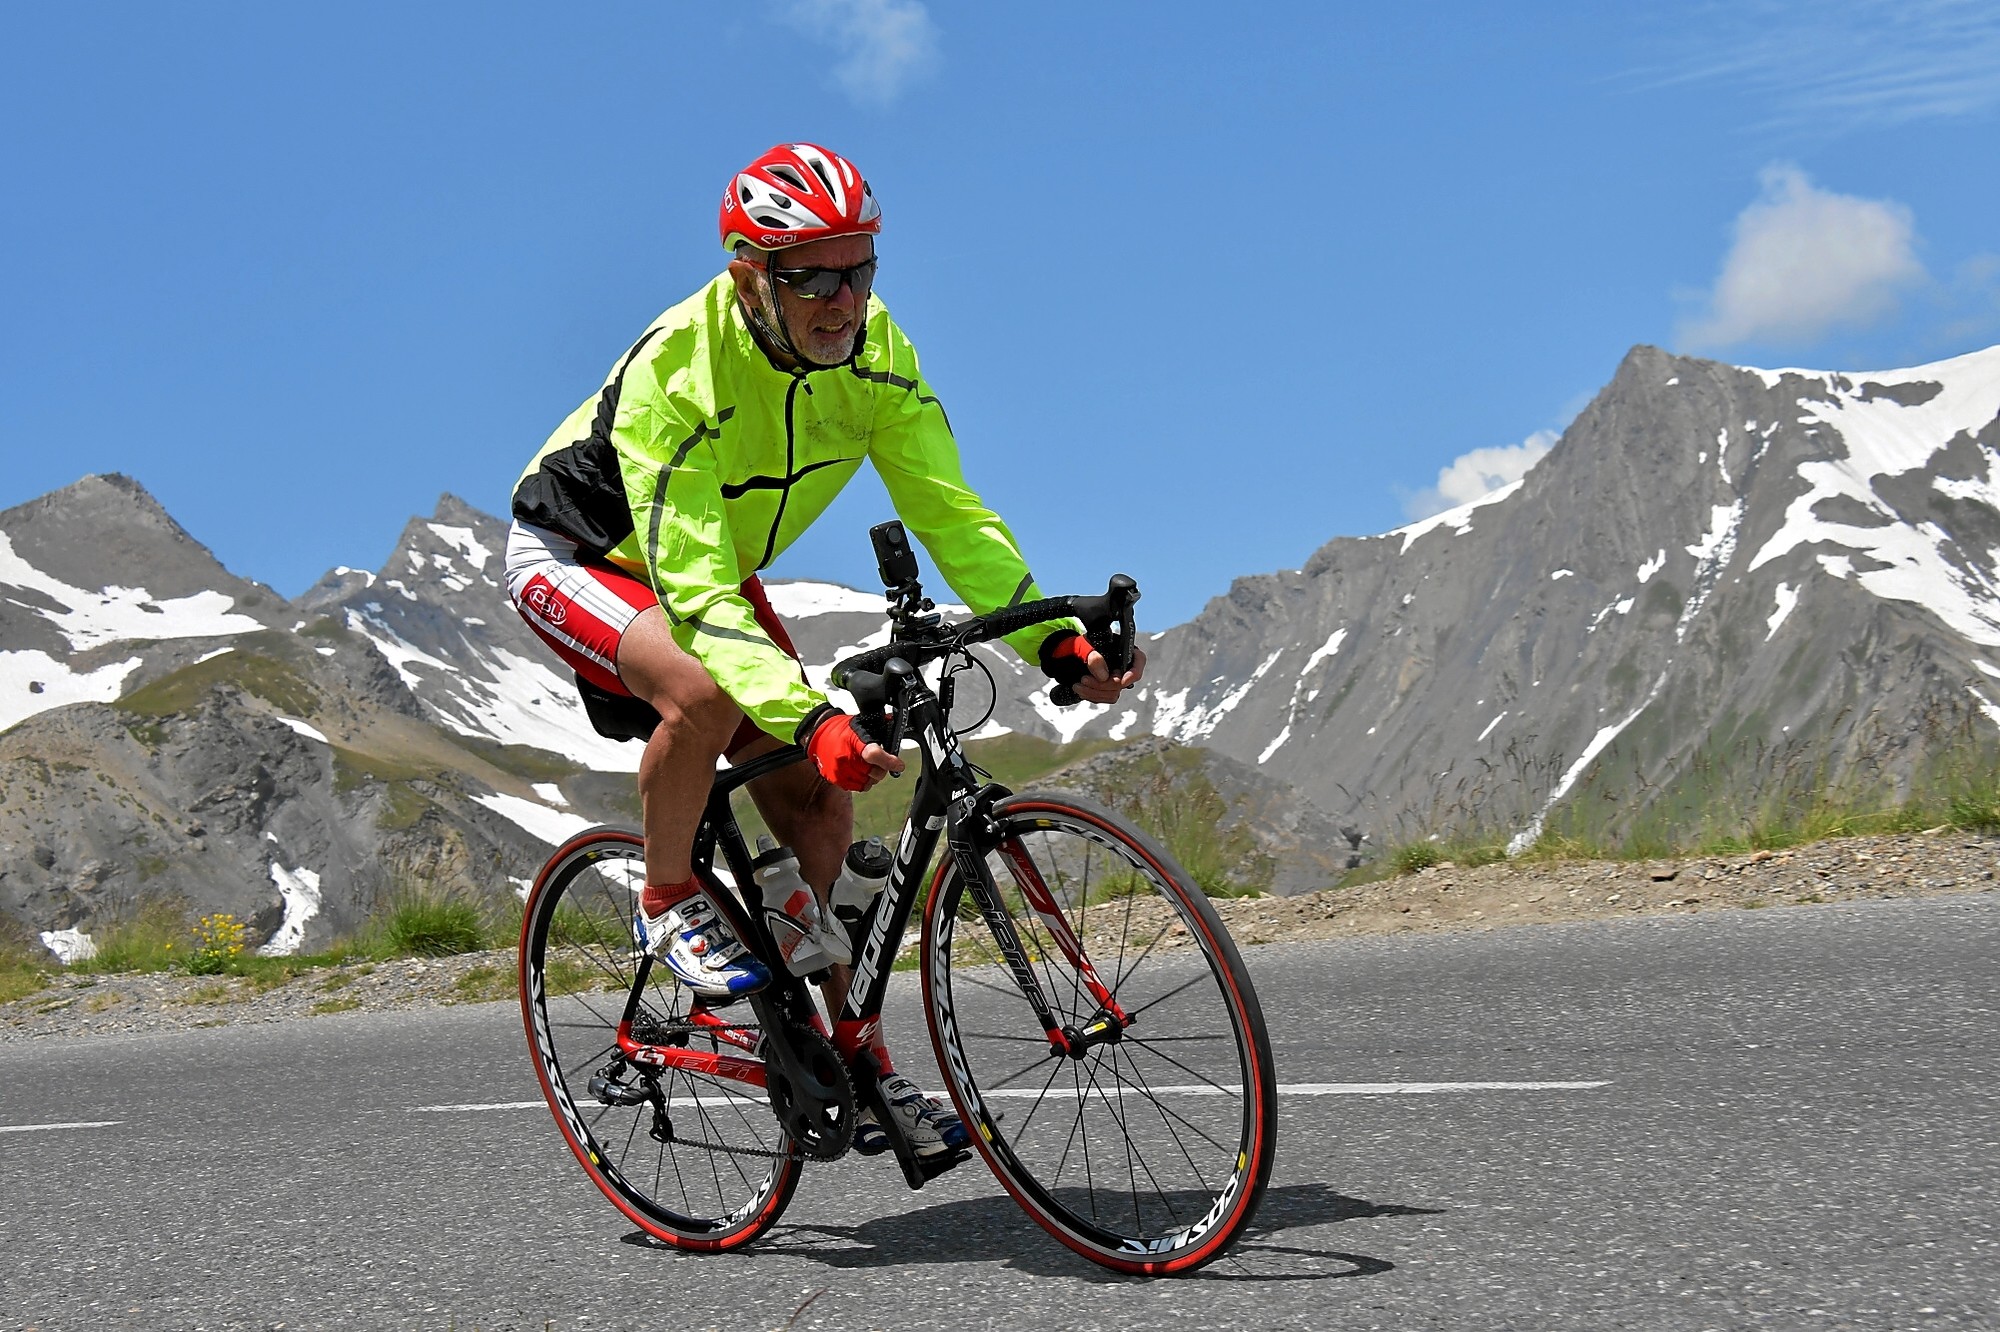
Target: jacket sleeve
(667, 458)
(914, 452)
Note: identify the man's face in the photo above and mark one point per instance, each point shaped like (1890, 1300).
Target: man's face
(823, 330)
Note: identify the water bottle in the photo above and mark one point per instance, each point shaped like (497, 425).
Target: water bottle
(862, 875)
(792, 914)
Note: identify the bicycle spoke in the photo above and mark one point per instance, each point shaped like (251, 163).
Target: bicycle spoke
(1147, 1046)
(1155, 1003)
(1145, 1089)
(1125, 1129)
(1040, 1099)
(1163, 1112)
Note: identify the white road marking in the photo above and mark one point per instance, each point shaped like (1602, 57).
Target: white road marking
(496, 1105)
(1191, 1089)
(44, 1128)
(1322, 1088)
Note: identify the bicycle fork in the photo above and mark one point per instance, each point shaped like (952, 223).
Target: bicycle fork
(1110, 1021)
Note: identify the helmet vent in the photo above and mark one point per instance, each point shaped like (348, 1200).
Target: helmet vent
(791, 177)
(781, 201)
(767, 220)
(743, 193)
(819, 169)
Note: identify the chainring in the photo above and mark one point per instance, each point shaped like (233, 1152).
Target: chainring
(826, 1132)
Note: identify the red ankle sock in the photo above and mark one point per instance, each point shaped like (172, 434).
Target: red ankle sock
(659, 897)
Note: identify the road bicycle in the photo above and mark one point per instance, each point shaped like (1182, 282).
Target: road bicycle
(1093, 1021)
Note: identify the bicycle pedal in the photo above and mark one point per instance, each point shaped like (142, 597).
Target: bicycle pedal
(610, 1091)
(930, 1167)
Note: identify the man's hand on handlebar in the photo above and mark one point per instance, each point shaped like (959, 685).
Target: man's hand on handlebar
(844, 758)
(1099, 687)
(1068, 658)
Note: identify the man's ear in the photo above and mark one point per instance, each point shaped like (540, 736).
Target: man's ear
(744, 274)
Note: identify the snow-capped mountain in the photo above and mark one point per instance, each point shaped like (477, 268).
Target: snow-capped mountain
(1719, 581)
(90, 570)
(1716, 574)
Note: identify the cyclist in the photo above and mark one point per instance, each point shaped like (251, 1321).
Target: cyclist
(641, 526)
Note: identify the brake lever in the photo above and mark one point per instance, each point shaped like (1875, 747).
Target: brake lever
(878, 701)
(1110, 628)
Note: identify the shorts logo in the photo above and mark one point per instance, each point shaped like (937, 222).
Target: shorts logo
(546, 604)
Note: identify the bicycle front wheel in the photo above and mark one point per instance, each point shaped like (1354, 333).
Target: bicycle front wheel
(1142, 1133)
(697, 1159)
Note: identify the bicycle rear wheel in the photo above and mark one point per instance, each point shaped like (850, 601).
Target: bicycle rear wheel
(1146, 1148)
(723, 1170)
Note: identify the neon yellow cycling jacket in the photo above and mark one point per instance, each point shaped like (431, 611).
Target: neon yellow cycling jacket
(699, 462)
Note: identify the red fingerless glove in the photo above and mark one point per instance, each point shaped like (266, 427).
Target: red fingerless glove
(1065, 656)
(836, 751)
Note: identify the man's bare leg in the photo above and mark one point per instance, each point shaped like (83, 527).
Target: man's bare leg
(678, 767)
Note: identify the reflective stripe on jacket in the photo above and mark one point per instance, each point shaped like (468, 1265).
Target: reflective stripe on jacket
(699, 462)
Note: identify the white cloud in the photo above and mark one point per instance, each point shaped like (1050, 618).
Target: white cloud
(1806, 261)
(1480, 472)
(882, 43)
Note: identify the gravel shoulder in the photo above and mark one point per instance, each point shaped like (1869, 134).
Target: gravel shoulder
(1444, 897)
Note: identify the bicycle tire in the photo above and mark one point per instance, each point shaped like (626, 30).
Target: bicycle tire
(730, 1170)
(1167, 1133)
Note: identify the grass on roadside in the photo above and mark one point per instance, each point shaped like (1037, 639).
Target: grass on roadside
(1958, 789)
(160, 935)
(25, 966)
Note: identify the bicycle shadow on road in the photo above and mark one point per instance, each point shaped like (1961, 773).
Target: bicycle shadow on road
(982, 1229)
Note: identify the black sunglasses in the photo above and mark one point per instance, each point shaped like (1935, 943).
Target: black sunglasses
(816, 284)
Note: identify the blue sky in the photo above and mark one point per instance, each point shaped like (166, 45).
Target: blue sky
(1202, 286)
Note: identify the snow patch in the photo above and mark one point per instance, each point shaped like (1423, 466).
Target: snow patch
(1986, 705)
(1198, 722)
(1562, 573)
(69, 946)
(1712, 555)
(1459, 519)
(1788, 597)
(121, 614)
(1490, 725)
(550, 792)
(309, 732)
(1065, 721)
(799, 601)
(1122, 727)
(1524, 839)
(519, 701)
(1886, 438)
(550, 825)
(1325, 650)
(299, 889)
(464, 542)
(394, 648)
(1652, 566)
(1272, 748)
(32, 681)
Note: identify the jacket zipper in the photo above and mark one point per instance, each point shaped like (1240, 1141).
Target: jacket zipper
(784, 492)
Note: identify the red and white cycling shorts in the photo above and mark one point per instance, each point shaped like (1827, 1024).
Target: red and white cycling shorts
(582, 609)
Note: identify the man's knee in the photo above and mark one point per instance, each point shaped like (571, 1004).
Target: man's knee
(691, 704)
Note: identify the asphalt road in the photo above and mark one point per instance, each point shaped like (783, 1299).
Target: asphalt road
(1798, 1130)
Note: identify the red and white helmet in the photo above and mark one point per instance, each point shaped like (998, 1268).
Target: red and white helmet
(795, 193)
